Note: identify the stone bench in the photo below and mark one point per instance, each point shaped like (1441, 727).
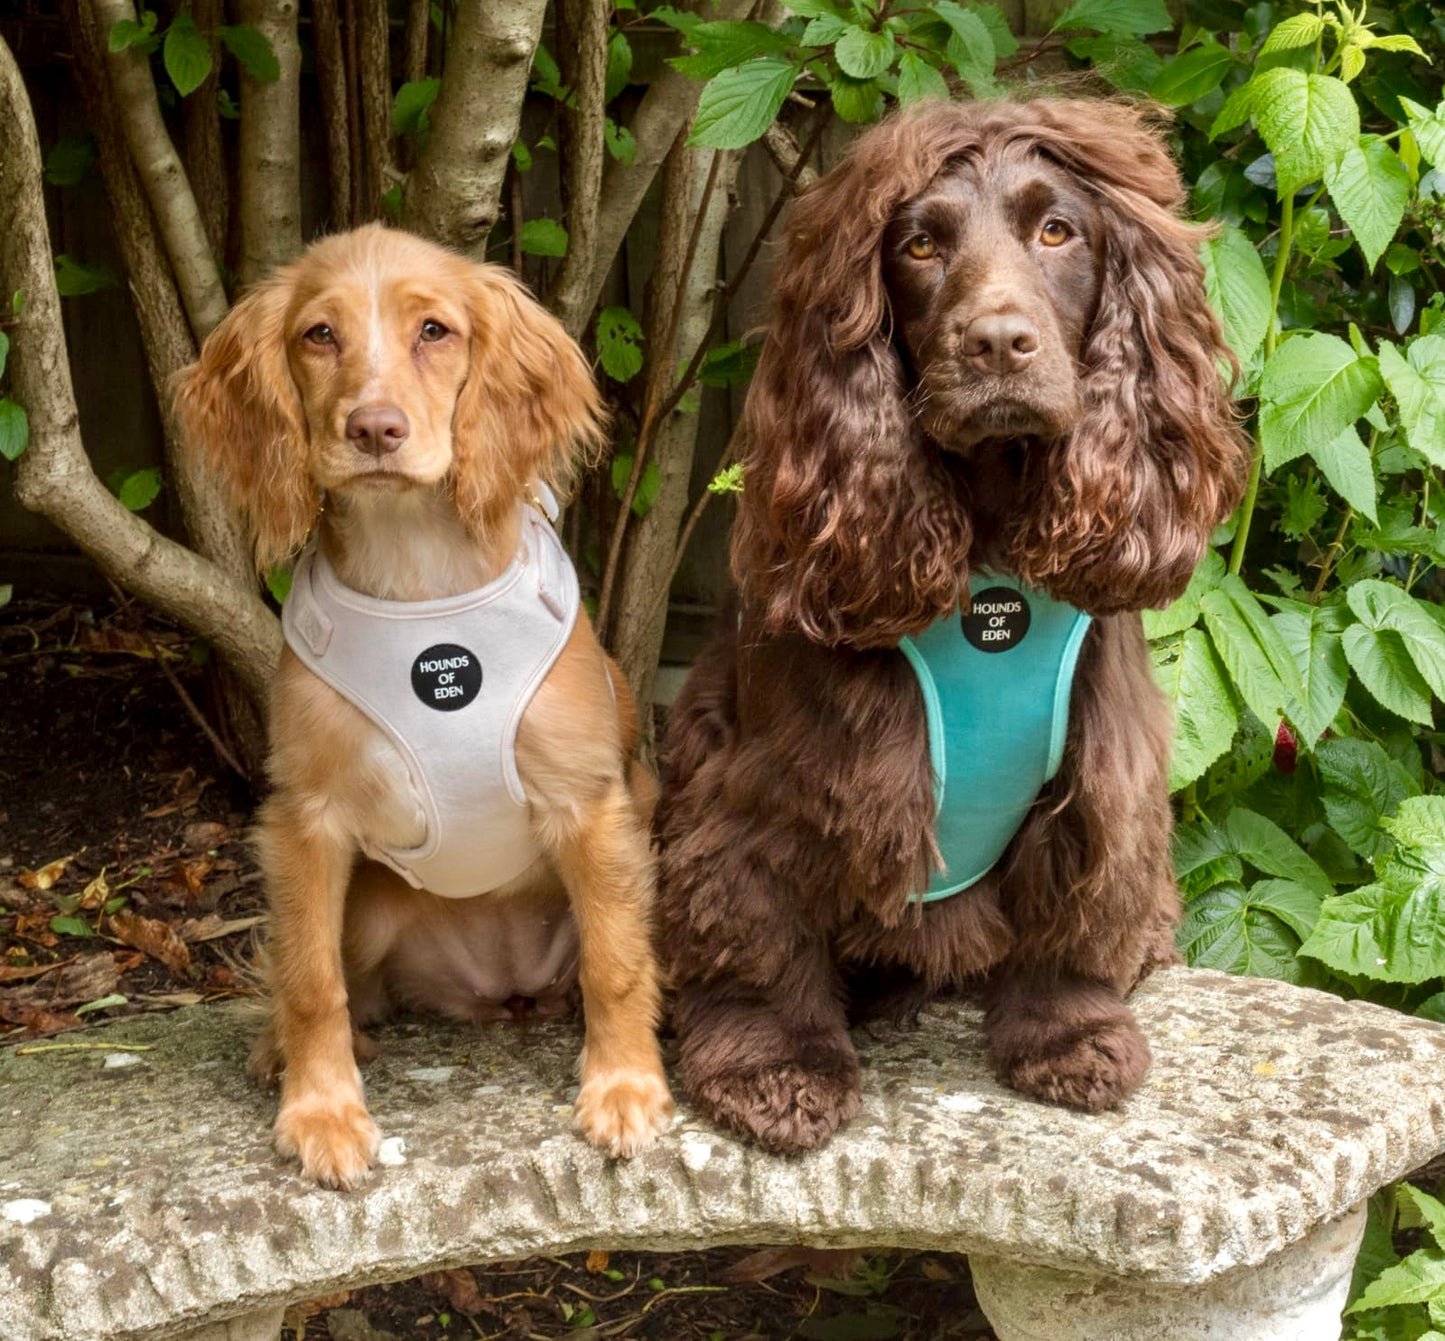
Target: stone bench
(139, 1196)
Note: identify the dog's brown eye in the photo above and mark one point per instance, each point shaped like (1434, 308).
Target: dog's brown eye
(432, 330)
(321, 335)
(921, 247)
(1055, 233)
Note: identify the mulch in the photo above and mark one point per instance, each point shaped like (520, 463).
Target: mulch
(126, 886)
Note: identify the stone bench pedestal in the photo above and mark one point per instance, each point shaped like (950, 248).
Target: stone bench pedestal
(140, 1199)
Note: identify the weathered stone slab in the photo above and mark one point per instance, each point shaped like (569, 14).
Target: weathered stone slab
(139, 1197)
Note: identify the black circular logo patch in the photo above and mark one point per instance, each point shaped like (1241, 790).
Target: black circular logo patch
(998, 620)
(446, 677)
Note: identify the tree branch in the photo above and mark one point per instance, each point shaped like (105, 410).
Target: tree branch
(201, 117)
(270, 145)
(54, 476)
(582, 57)
(454, 192)
(374, 49)
(415, 38)
(331, 77)
(665, 108)
(166, 183)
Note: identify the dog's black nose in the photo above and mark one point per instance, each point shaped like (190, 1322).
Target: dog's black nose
(1002, 342)
(377, 429)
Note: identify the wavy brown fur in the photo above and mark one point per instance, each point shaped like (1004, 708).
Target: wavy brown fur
(797, 811)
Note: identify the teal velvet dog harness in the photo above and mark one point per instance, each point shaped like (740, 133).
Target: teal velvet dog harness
(996, 687)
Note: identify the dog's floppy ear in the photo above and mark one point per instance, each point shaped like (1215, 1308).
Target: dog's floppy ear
(847, 532)
(529, 407)
(1122, 510)
(239, 406)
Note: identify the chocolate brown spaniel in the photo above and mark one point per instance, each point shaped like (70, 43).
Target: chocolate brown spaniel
(990, 353)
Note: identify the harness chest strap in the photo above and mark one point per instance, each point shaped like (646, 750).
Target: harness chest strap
(447, 682)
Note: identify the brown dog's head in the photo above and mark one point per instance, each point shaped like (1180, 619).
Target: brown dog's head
(379, 361)
(999, 285)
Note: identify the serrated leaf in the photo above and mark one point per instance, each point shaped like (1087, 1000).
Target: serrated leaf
(1005, 44)
(737, 106)
(1428, 129)
(127, 33)
(970, 48)
(727, 44)
(187, 54)
(1345, 463)
(1360, 785)
(824, 31)
(1237, 109)
(1300, 30)
(619, 343)
(252, 50)
(1238, 290)
(1307, 120)
(1224, 929)
(856, 101)
(1259, 664)
(865, 55)
(543, 237)
(1324, 672)
(728, 365)
(620, 142)
(1380, 605)
(648, 486)
(1417, 381)
(918, 80)
(1139, 17)
(1432, 1213)
(1184, 612)
(619, 65)
(411, 105)
(1370, 188)
(1419, 822)
(14, 429)
(140, 488)
(1312, 389)
(1189, 77)
(1263, 844)
(1205, 718)
(1382, 664)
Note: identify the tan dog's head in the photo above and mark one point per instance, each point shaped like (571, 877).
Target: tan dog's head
(379, 361)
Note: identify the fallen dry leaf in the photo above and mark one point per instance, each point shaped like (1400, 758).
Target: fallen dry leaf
(34, 1019)
(297, 1315)
(597, 1261)
(203, 835)
(458, 1286)
(95, 893)
(769, 1262)
(36, 927)
(44, 877)
(154, 938)
(935, 1270)
(78, 981)
(212, 927)
(18, 972)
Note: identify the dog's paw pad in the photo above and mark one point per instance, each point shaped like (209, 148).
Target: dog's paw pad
(1093, 1072)
(335, 1144)
(623, 1112)
(785, 1108)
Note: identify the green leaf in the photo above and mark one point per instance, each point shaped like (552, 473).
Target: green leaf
(1382, 662)
(522, 156)
(278, 583)
(1005, 44)
(1360, 785)
(619, 343)
(620, 143)
(1300, 30)
(1189, 77)
(812, 9)
(1184, 612)
(1419, 822)
(140, 488)
(546, 76)
(824, 31)
(14, 429)
(1263, 844)
(1238, 290)
(856, 101)
(252, 50)
(69, 159)
(1370, 188)
(102, 1003)
(4, 351)
(127, 33)
(72, 278)
(970, 47)
(1345, 463)
(1116, 16)
(1432, 1213)
(619, 65)
(70, 926)
(1324, 672)
(866, 55)
(1351, 932)
(1417, 382)
(1237, 109)
(1312, 389)
(725, 45)
(1205, 718)
(1428, 129)
(544, 237)
(729, 480)
(412, 103)
(739, 105)
(1225, 929)
(728, 365)
(648, 487)
(1381, 605)
(1307, 120)
(1259, 663)
(187, 54)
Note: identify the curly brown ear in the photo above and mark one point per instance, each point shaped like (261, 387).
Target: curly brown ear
(847, 531)
(529, 407)
(1123, 509)
(239, 406)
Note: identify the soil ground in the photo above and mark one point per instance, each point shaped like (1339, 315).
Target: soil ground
(126, 886)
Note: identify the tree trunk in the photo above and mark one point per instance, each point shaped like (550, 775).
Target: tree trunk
(270, 145)
(331, 76)
(205, 159)
(455, 190)
(54, 475)
(374, 50)
(641, 605)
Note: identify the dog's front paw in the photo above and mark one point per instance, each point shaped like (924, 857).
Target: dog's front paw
(624, 1111)
(1092, 1071)
(786, 1108)
(335, 1143)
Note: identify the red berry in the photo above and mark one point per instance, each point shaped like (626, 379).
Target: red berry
(1286, 748)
